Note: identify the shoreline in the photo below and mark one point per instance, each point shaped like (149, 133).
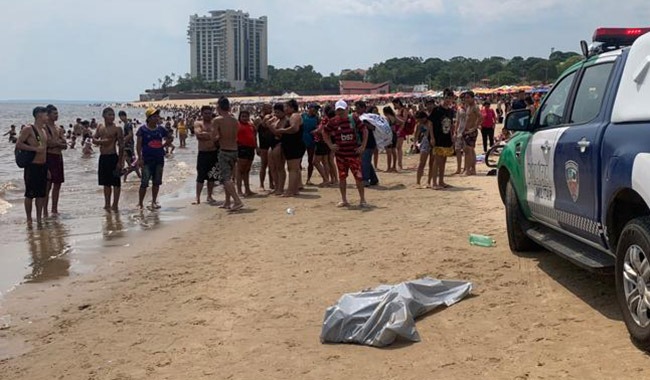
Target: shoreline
(243, 296)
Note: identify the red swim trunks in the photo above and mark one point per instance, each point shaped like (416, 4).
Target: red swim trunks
(352, 164)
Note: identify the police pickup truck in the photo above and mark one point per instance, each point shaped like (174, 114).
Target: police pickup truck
(575, 178)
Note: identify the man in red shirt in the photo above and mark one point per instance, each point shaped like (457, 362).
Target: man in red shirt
(347, 137)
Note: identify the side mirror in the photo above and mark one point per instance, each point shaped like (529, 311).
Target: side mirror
(518, 120)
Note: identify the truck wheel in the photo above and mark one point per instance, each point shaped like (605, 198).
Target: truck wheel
(633, 279)
(516, 222)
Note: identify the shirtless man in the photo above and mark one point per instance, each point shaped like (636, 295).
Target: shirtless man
(111, 161)
(206, 163)
(34, 138)
(55, 145)
(226, 127)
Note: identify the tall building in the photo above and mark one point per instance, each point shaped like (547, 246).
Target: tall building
(228, 46)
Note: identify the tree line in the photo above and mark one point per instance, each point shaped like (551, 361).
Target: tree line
(400, 72)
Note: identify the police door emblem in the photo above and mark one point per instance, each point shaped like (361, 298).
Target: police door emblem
(573, 179)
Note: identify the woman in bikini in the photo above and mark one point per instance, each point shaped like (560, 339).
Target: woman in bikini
(391, 150)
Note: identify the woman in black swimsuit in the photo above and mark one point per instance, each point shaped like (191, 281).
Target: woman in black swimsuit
(276, 158)
(293, 147)
(266, 138)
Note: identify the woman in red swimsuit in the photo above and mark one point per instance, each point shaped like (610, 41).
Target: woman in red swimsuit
(246, 147)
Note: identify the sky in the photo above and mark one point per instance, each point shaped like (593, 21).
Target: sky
(113, 50)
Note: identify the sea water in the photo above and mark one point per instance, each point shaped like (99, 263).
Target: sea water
(63, 245)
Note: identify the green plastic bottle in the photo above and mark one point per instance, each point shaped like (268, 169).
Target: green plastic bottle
(481, 240)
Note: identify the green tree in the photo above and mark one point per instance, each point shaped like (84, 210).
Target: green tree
(504, 78)
(352, 75)
(560, 56)
(561, 67)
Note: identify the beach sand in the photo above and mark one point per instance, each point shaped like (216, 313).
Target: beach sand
(197, 103)
(243, 297)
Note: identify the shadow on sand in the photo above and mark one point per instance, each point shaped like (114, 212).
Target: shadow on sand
(596, 290)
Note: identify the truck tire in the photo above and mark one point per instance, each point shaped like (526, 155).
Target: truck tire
(516, 222)
(633, 279)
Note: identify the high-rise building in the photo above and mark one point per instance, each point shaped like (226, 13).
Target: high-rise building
(228, 46)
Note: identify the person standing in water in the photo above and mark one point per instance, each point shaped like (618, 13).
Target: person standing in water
(150, 148)
(181, 131)
(34, 139)
(208, 158)
(129, 146)
(110, 139)
(56, 143)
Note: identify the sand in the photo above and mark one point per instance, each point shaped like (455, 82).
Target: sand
(201, 102)
(243, 296)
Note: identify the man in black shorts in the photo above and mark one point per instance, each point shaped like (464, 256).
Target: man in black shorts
(208, 159)
(110, 139)
(34, 139)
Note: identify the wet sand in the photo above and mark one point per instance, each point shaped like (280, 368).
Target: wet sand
(242, 296)
(65, 244)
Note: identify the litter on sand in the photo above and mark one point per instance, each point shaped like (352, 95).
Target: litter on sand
(482, 240)
(377, 317)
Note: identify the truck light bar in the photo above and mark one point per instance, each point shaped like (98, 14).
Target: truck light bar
(619, 36)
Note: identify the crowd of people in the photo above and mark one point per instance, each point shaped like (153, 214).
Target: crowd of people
(336, 140)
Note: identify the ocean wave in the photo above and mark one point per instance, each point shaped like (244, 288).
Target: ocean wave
(4, 206)
(7, 186)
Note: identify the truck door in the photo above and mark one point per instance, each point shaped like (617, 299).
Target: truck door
(540, 153)
(577, 156)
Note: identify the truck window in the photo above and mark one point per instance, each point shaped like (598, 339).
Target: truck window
(552, 111)
(590, 93)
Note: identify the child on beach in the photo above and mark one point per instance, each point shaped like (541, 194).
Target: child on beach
(169, 147)
(423, 136)
(88, 148)
(181, 131)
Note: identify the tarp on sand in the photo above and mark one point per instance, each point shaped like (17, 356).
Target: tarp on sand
(377, 317)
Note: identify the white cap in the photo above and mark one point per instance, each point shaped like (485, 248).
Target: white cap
(341, 105)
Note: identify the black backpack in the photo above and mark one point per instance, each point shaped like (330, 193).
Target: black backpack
(26, 157)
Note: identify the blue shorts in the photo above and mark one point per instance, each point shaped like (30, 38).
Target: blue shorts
(152, 171)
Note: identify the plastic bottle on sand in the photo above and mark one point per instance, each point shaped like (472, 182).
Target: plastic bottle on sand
(481, 240)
